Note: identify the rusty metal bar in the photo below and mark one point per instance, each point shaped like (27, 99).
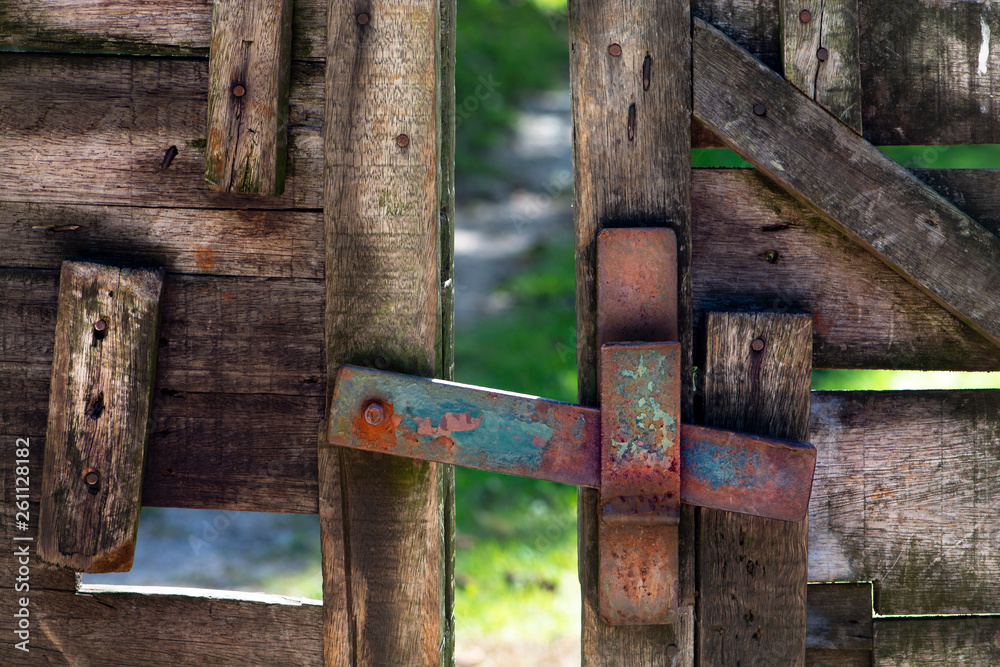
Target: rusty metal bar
(458, 424)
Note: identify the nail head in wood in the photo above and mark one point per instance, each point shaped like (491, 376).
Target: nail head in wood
(363, 18)
(239, 90)
(805, 16)
(615, 50)
(100, 325)
(757, 345)
(402, 141)
(759, 109)
(822, 54)
(91, 478)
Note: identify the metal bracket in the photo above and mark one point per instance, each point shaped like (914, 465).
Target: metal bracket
(634, 449)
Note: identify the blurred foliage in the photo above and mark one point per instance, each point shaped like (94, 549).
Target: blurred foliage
(983, 156)
(506, 49)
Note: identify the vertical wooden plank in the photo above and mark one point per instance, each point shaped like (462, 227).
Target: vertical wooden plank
(821, 54)
(752, 571)
(103, 366)
(631, 96)
(384, 567)
(248, 79)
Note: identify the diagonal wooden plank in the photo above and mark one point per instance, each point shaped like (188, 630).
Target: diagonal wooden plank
(822, 162)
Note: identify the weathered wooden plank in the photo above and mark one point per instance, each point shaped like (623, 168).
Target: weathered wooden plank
(630, 82)
(755, 247)
(270, 244)
(937, 641)
(839, 625)
(880, 204)
(117, 626)
(906, 495)
(820, 55)
(753, 24)
(103, 366)
(930, 71)
(752, 571)
(180, 27)
(384, 563)
(97, 130)
(248, 81)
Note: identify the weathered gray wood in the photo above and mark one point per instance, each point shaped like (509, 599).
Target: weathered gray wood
(930, 71)
(96, 130)
(269, 244)
(180, 27)
(630, 83)
(906, 495)
(103, 365)
(753, 24)
(831, 77)
(839, 625)
(873, 199)
(944, 641)
(117, 626)
(248, 80)
(752, 571)
(384, 563)
(755, 247)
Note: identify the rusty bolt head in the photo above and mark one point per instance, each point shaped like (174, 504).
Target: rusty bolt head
(759, 109)
(615, 50)
(822, 54)
(363, 18)
(805, 15)
(380, 363)
(374, 413)
(402, 141)
(91, 478)
(100, 325)
(757, 345)
(239, 91)
(672, 650)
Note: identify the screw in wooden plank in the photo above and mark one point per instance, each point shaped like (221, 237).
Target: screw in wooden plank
(822, 54)
(374, 413)
(757, 345)
(615, 50)
(759, 109)
(805, 16)
(363, 18)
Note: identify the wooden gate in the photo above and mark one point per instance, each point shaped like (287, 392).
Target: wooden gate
(104, 108)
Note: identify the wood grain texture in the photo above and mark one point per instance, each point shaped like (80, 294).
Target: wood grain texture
(103, 365)
(871, 198)
(906, 495)
(755, 247)
(180, 27)
(752, 571)
(930, 71)
(384, 565)
(248, 80)
(631, 128)
(753, 24)
(831, 77)
(96, 131)
(937, 641)
(839, 625)
(248, 242)
(117, 626)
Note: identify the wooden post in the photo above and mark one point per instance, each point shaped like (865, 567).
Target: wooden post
(248, 79)
(821, 54)
(631, 87)
(752, 571)
(386, 567)
(102, 379)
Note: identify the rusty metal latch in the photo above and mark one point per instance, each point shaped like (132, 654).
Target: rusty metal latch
(634, 449)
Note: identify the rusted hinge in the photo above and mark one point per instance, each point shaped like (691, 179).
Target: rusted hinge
(634, 448)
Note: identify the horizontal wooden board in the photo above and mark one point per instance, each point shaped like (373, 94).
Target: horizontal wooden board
(105, 626)
(907, 495)
(95, 130)
(942, 641)
(271, 244)
(121, 26)
(839, 625)
(755, 247)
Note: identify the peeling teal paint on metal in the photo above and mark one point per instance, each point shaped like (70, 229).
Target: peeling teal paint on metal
(723, 466)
